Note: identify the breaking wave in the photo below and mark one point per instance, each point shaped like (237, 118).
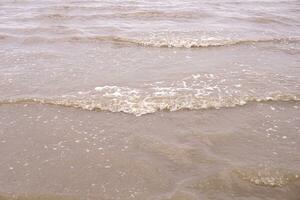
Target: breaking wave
(199, 91)
(150, 104)
(170, 41)
(179, 42)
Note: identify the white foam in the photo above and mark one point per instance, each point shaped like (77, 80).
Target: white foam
(198, 91)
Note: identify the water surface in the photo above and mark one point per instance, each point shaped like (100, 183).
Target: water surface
(154, 100)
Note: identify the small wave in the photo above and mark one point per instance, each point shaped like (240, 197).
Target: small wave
(145, 107)
(145, 15)
(195, 92)
(202, 42)
(151, 41)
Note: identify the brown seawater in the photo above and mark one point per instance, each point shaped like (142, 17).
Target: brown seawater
(150, 100)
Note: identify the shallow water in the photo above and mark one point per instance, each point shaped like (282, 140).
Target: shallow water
(153, 100)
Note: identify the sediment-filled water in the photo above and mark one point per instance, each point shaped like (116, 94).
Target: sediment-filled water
(150, 100)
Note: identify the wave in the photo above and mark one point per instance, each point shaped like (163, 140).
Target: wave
(188, 94)
(195, 92)
(204, 42)
(151, 41)
(147, 106)
(145, 15)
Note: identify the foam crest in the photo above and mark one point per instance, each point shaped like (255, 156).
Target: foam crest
(268, 177)
(198, 40)
(179, 40)
(198, 91)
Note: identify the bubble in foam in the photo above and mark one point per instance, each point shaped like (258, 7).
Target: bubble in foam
(268, 176)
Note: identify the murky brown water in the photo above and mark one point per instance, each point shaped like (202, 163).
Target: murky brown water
(150, 100)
